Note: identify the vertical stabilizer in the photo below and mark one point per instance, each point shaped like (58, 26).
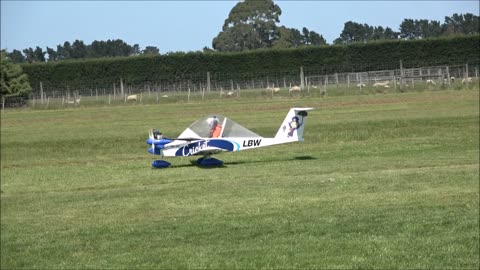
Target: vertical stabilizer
(293, 125)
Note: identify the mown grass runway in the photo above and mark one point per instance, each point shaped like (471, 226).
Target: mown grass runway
(381, 181)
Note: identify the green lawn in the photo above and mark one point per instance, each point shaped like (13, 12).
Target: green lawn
(381, 181)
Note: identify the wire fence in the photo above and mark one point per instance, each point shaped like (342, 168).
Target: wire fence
(305, 83)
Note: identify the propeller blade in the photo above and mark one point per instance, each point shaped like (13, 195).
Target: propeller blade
(150, 135)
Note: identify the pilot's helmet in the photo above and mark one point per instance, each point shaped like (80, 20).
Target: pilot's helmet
(212, 121)
(295, 119)
(157, 134)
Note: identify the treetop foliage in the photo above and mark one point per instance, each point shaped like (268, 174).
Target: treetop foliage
(13, 83)
(79, 50)
(252, 25)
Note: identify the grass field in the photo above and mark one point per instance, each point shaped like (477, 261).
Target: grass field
(381, 181)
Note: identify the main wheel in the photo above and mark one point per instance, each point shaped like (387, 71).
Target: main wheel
(160, 164)
(209, 162)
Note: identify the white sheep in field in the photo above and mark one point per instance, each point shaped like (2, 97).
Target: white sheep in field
(295, 88)
(381, 84)
(132, 98)
(273, 89)
(229, 94)
(467, 80)
(431, 82)
(452, 79)
(76, 101)
(360, 85)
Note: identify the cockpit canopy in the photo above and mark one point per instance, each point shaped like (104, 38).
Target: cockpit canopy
(202, 127)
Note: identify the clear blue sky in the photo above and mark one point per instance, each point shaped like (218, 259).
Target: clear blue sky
(191, 25)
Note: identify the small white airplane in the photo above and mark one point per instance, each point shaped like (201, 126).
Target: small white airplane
(214, 134)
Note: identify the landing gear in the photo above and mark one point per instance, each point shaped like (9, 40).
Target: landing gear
(160, 164)
(208, 161)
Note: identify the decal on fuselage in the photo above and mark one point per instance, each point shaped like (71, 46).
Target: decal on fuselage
(250, 143)
(193, 148)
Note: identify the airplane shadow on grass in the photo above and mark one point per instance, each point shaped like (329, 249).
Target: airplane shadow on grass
(227, 164)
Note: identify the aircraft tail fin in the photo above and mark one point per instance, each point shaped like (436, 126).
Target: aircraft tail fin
(293, 125)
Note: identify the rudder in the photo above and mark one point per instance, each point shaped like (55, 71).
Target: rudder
(293, 125)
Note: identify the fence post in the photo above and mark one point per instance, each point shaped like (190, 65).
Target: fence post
(208, 83)
(302, 78)
(448, 76)
(402, 86)
(41, 92)
(121, 86)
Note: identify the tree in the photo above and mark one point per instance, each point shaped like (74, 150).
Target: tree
(408, 29)
(467, 24)
(97, 49)
(251, 24)
(293, 38)
(79, 50)
(37, 55)
(390, 34)
(52, 55)
(136, 49)
(354, 32)
(152, 50)
(418, 29)
(64, 51)
(312, 38)
(118, 47)
(471, 24)
(16, 56)
(13, 83)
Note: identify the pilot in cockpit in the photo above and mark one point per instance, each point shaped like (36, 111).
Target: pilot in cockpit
(215, 127)
(157, 135)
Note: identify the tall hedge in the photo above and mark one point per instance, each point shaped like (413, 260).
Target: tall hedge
(318, 60)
